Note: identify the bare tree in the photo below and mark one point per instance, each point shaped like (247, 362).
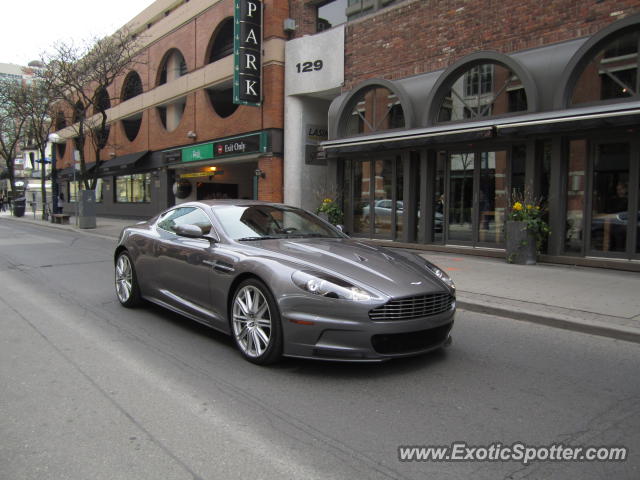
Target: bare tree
(82, 76)
(36, 109)
(12, 124)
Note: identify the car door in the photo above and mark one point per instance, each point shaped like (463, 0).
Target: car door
(183, 265)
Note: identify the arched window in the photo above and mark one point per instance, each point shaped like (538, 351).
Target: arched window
(373, 109)
(132, 86)
(61, 123)
(78, 115)
(221, 44)
(221, 98)
(131, 126)
(171, 114)
(610, 72)
(173, 66)
(102, 101)
(482, 90)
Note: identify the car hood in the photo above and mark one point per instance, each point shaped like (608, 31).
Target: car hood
(392, 273)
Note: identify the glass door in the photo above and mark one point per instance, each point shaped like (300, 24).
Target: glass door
(377, 197)
(477, 193)
(461, 222)
(613, 215)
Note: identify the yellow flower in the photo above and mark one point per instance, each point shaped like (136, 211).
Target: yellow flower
(517, 206)
(529, 207)
(327, 200)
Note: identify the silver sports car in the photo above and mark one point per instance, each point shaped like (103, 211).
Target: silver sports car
(282, 281)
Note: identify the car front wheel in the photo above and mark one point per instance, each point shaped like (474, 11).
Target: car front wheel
(127, 289)
(255, 322)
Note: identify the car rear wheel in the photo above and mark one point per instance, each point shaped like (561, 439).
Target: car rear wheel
(127, 289)
(255, 322)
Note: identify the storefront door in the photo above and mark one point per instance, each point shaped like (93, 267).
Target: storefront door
(477, 198)
(614, 212)
(377, 197)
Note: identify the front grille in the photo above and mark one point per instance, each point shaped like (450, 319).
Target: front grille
(413, 307)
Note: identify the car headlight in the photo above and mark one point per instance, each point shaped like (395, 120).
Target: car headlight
(442, 275)
(326, 285)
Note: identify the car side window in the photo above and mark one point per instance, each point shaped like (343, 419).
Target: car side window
(185, 216)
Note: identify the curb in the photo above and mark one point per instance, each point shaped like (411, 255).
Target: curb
(592, 327)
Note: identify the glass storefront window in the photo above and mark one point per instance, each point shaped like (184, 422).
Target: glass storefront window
(575, 196)
(518, 161)
(99, 190)
(439, 198)
(73, 191)
(399, 199)
(483, 91)
(133, 188)
(375, 211)
(493, 196)
(383, 202)
(610, 200)
(361, 195)
(461, 168)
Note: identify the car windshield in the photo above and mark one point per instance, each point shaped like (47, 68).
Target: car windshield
(262, 222)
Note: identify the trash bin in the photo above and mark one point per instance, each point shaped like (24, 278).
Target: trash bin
(19, 206)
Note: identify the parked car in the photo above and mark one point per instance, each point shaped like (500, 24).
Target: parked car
(609, 231)
(382, 209)
(282, 281)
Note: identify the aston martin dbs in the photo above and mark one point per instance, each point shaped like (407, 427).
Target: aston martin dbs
(284, 282)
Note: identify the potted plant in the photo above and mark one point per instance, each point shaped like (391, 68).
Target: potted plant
(330, 210)
(526, 229)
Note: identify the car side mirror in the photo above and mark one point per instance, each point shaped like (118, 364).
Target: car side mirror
(189, 231)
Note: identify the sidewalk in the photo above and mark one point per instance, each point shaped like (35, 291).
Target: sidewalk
(590, 300)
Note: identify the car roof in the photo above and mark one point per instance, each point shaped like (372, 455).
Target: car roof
(229, 202)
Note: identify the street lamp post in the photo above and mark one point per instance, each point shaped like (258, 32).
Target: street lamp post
(54, 138)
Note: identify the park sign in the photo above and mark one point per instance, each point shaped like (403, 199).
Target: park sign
(247, 53)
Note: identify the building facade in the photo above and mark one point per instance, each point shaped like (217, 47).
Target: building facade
(175, 133)
(448, 108)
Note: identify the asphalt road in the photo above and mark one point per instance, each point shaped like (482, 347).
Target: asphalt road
(89, 389)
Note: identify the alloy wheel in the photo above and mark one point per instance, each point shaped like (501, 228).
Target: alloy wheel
(124, 278)
(252, 321)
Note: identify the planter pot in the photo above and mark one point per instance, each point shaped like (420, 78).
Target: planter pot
(521, 244)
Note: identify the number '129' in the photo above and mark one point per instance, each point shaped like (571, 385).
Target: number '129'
(309, 66)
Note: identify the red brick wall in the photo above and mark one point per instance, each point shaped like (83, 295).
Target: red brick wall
(270, 188)
(418, 36)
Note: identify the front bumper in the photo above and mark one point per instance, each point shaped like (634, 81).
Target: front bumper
(347, 334)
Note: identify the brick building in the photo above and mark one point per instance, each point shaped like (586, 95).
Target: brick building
(445, 108)
(175, 132)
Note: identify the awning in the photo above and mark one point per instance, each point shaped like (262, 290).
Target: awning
(122, 162)
(68, 172)
(599, 116)
(46, 160)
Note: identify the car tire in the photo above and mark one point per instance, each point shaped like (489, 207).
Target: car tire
(255, 323)
(126, 282)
